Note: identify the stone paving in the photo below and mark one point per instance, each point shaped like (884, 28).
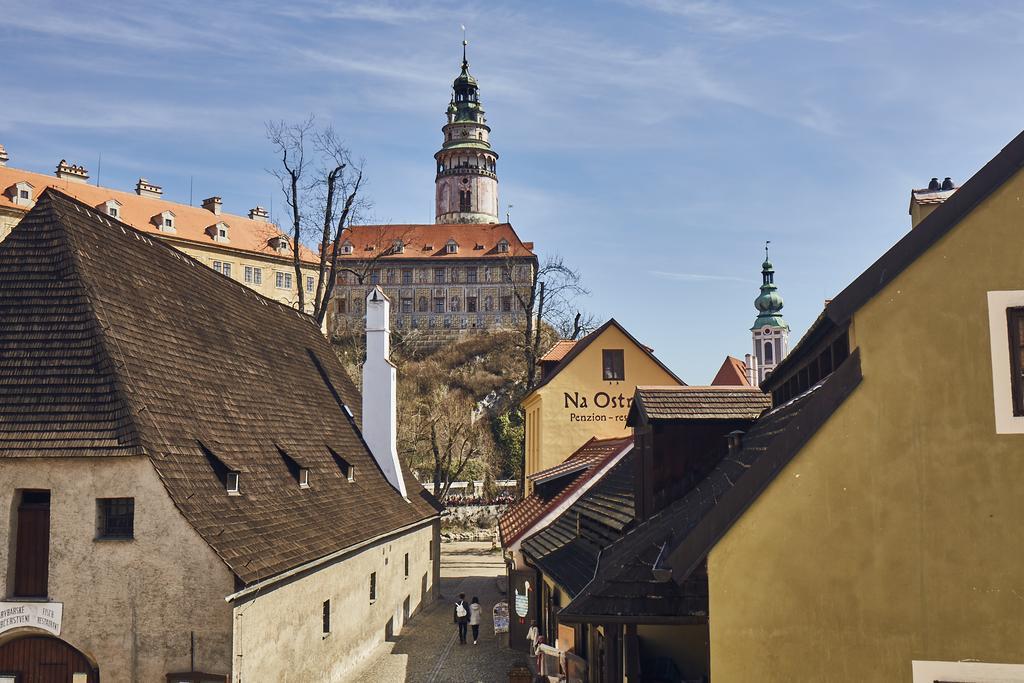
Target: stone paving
(428, 649)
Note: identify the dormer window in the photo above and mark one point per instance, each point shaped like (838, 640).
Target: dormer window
(303, 478)
(348, 470)
(218, 231)
(503, 246)
(452, 247)
(232, 484)
(164, 221)
(279, 244)
(111, 207)
(21, 193)
(346, 247)
(398, 246)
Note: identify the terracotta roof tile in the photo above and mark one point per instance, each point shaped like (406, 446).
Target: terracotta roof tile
(474, 240)
(733, 373)
(190, 222)
(558, 351)
(128, 346)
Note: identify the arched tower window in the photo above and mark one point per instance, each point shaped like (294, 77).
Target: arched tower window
(769, 354)
(465, 200)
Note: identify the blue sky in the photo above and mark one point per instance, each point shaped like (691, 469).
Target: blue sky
(654, 144)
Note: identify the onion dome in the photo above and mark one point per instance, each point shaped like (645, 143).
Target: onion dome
(769, 302)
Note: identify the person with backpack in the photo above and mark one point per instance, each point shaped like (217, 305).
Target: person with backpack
(461, 617)
(474, 617)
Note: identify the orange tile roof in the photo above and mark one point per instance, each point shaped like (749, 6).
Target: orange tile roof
(190, 222)
(558, 351)
(733, 373)
(475, 241)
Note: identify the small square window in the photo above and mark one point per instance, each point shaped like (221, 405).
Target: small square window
(115, 518)
(232, 484)
(613, 365)
(23, 194)
(113, 212)
(168, 222)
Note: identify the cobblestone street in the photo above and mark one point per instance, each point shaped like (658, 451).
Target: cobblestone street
(428, 649)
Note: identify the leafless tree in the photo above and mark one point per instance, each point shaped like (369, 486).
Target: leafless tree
(549, 300)
(440, 430)
(322, 186)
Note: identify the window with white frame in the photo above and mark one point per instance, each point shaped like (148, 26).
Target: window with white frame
(233, 484)
(222, 267)
(346, 248)
(283, 280)
(1006, 339)
(253, 275)
(309, 283)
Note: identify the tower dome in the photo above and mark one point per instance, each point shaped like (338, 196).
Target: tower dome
(467, 178)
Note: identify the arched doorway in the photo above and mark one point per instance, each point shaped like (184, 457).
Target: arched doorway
(44, 659)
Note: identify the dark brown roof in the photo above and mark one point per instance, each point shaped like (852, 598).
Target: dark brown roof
(524, 515)
(698, 403)
(935, 225)
(582, 344)
(128, 346)
(567, 549)
(675, 542)
(733, 373)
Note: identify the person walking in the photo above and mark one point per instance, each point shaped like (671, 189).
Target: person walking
(474, 618)
(461, 617)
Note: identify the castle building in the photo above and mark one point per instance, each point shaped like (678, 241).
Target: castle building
(249, 249)
(770, 332)
(467, 271)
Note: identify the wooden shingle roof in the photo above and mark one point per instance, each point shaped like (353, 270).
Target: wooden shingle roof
(159, 355)
(699, 403)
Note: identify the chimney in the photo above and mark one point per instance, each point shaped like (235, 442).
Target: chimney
(258, 213)
(751, 361)
(380, 394)
(144, 188)
(213, 204)
(4, 158)
(66, 171)
(735, 441)
(926, 200)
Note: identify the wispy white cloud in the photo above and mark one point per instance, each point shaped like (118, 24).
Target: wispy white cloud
(696, 277)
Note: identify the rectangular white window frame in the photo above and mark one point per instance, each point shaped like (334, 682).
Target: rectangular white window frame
(999, 340)
(232, 484)
(309, 283)
(257, 276)
(303, 478)
(283, 280)
(966, 672)
(247, 274)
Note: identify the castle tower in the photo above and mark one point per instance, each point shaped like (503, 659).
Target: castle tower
(467, 180)
(770, 331)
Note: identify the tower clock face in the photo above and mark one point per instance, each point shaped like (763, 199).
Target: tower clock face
(767, 331)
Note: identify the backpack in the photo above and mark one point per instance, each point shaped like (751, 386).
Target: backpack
(460, 610)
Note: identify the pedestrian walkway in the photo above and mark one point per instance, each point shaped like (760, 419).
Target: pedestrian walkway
(428, 649)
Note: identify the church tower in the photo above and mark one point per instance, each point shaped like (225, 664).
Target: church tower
(467, 179)
(770, 331)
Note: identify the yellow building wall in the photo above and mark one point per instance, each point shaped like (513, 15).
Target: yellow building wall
(895, 534)
(578, 403)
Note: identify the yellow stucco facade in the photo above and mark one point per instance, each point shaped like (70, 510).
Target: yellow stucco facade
(577, 403)
(894, 535)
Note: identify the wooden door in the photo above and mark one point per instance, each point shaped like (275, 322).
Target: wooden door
(32, 549)
(42, 659)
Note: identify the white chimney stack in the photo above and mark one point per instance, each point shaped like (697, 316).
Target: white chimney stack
(380, 390)
(751, 361)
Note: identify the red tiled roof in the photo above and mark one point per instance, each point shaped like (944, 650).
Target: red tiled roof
(558, 351)
(474, 240)
(576, 470)
(190, 222)
(733, 373)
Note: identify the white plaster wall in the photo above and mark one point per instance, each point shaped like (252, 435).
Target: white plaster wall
(128, 605)
(278, 631)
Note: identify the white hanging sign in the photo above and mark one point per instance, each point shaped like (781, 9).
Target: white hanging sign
(41, 615)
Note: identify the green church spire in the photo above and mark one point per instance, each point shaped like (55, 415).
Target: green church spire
(769, 302)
